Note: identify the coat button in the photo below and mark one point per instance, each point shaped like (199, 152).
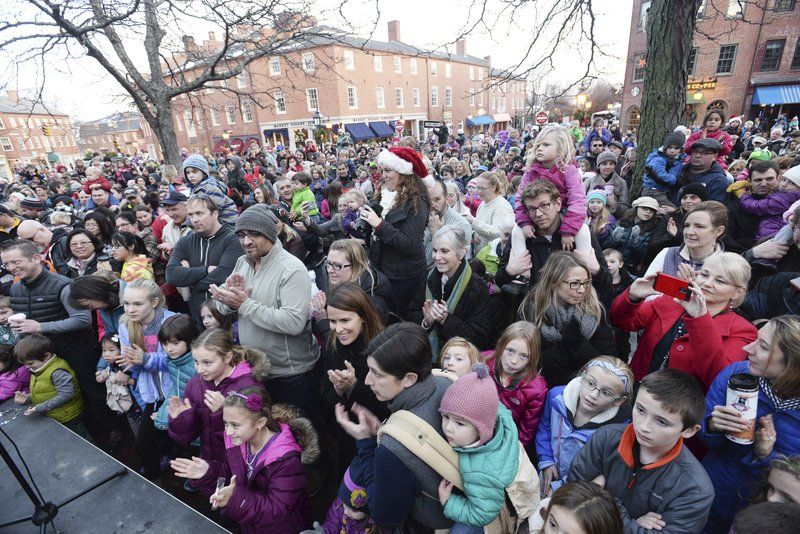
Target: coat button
(679, 347)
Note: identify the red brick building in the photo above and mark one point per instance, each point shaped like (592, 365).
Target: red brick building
(751, 67)
(125, 132)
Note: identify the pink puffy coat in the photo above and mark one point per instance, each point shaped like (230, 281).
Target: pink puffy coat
(569, 183)
(525, 400)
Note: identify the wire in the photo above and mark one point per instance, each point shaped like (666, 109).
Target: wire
(22, 459)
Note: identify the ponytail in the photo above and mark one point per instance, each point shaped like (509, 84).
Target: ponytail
(221, 342)
(257, 359)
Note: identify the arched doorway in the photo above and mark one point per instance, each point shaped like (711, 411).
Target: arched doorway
(720, 105)
(632, 117)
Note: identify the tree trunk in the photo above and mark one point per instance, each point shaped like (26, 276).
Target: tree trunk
(164, 129)
(670, 27)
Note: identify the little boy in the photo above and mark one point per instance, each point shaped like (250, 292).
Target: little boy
(302, 195)
(658, 482)
(195, 169)
(663, 166)
(54, 388)
(621, 280)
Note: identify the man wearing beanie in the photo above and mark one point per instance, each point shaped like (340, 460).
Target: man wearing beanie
(270, 288)
(484, 435)
(205, 256)
(195, 170)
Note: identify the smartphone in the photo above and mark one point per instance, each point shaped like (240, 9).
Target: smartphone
(672, 286)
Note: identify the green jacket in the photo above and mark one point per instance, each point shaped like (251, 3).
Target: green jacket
(488, 257)
(42, 389)
(304, 195)
(486, 471)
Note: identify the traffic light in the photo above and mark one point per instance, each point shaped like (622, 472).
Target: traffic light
(116, 145)
(47, 130)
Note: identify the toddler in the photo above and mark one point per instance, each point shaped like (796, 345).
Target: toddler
(195, 169)
(355, 200)
(772, 207)
(14, 376)
(663, 167)
(303, 196)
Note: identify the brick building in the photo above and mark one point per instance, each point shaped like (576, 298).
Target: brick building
(31, 133)
(751, 67)
(124, 132)
(335, 82)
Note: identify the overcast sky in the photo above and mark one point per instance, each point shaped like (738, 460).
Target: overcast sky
(86, 92)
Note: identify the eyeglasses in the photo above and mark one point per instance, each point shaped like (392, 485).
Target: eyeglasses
(543, 207)
(241, 234)
(479, 188)
(336, 267)
(575, 285)
(80, 244)
(7, 265)
(605, 393)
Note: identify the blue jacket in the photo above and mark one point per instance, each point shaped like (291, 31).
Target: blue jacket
(180, 371)
(732, 467)
(152, 378)
(557, 439)
(715, 180)
(662, 172)
(605, 135)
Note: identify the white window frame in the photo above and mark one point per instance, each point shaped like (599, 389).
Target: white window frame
(309, 65)
(434, 68)
(275, 66)
(198, 122)
(415, 97)
(398, 97)
(480, 74)
(12, 122)
(380, 98)
(21, 143)
(280, 102)
(448, 70)
(241, 80)
(312, 97)
(471, 73)
(352, 97)
(398, 65)
(377, 62)
(412, 65)
(215, 117)
(191, 131)
(178, 125)
(434, 96)
(2, 124)
(247, 111)
(480, 99)
(230, 114)
(349, 60)
(448, 97)
(6, 143)
(471, 98)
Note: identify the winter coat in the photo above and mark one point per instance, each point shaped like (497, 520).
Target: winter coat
(525, 399)
(486, 471)
(152, 378)
(740, 232)
(789, 263)
(490, 218)
(216, 192)
(622, 203)
(733, 468)
(181, 370)
(561, 361)
(301, 196)
(676, 486)
(569, 182)
(661, 172)
(709, 344)
(770, 209)
(139, 266)
(715, 180)
(771, 297)
(274, 498)
(604, 134)
(13, 381)
(558, 440)
(489, 256)
(632, 241)
(397, 248)
(236, 177)
(200, 421)
(720, 135)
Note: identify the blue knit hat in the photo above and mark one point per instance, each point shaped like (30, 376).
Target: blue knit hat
(597, 194)
(197, 161)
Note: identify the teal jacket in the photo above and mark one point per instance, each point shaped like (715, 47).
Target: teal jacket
(180, 371)
(486, 471)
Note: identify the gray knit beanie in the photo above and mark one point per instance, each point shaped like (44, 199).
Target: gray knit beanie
(606, 156)
(259, 218)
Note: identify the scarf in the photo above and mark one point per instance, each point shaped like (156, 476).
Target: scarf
(780, 404)
(456, 285)
(559, 317)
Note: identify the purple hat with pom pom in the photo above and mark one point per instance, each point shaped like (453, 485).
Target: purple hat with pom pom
(351, 492)
(473, 397)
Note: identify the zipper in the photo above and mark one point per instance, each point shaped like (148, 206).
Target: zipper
(633, 479)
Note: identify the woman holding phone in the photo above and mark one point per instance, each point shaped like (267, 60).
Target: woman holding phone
(700, 336)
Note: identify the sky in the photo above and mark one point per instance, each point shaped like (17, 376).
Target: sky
(85, 91)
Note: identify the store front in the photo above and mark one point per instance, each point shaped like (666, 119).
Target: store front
(479, 123)
(771, 101)
(502, 121)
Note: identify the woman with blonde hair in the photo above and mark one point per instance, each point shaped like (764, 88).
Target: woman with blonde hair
(564, 306)
(494, 212)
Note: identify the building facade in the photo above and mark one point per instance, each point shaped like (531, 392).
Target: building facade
(124, 133)
(745, 60)
(31, 133)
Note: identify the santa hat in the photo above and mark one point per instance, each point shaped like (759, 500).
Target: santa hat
(402, 160)
(736, 118)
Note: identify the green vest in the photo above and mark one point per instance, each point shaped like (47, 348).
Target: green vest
(42, 389)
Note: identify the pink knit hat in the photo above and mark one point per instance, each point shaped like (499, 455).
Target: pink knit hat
(473, 397)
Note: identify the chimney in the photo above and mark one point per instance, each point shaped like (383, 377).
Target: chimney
(488, 60)
(461, 47)
(394, 30)
(12, 95)
(212, 37)
(189, 45)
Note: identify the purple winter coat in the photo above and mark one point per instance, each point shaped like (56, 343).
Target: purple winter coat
(274, 499)
(770, 209)
(13, 381)
(199, 421)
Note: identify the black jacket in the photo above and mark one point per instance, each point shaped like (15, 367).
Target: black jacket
(561, 361)
(397, 248)
(661, 238)
(789, 263)
(771, 297)
(740, 232)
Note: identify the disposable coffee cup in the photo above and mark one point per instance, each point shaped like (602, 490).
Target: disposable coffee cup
(609, 189)
(17, 318)
(742, 395)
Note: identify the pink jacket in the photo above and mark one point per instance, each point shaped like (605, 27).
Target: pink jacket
(720, 135)
(13, 381)
(525, 401)
(569, 183)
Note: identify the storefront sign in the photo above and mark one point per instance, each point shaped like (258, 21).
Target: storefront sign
(699, 86)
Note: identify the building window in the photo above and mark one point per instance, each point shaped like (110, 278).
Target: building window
(349, 60)
(6, 142)
(214, 116)
(415, 97)
(36, 142)
(692, 60)
(308, 62)
(197, 121)
(784, 5)
(280, 102)
(448, 97)
(379, 99)
(639, 65)
(222, 83)
(187, 115)
(643, 16)
(312, 99)
(2, 124)
(412, 64)
(471, 98)
(352, 97)
(701, 11)
(274, 66)
(247, 112)
(12, 122)
(726, 59)
(735, 9)
(21, 143)
(178, 124)
(796, 56)
(634, 115)
(773, 52)
(230, 114)
(241, 80)
(435, 97)
(434, 68)
(378, 62)
(398, 64)
(493, 103)
(721, 105)
(480, 75)
(471, 73)
(448, 70)
(480, 99)
(398, 97)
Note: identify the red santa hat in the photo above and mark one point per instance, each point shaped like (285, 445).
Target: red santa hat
(736, 118)
(404, 160)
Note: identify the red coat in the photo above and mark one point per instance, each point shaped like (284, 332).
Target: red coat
(525, 402)
(709, 344)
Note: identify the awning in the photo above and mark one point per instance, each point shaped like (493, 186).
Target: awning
(381, 129)
(501, 117)
(480, 120)
(690, 99)
(359, 131)
(777, 94)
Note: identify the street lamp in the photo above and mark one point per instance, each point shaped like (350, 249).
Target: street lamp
(226, 134)
(610, 106)
(317, 118)
(581, 99)
(698, 95)
(588, 105)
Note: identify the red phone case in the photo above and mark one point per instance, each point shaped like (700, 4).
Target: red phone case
(672, 286)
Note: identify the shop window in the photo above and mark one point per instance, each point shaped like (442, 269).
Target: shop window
(773, 52)
(634, 115)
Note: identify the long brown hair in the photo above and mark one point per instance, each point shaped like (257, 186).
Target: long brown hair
(786, 337)
(529, 333)
(135, 330)
(333, 195)
(593, 507)
(409, 189)
(220, 342)
(350, 297)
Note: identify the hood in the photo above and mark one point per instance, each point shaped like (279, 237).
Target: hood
(237, 163)
(197, 161)
(613, 414)
(503, 444)
(240, 369)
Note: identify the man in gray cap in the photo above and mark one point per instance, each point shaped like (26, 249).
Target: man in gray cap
(704, 169)
(271, 291)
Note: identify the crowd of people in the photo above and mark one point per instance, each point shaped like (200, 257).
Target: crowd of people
(482, 334)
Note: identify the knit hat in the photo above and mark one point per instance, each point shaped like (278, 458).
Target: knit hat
(32, 203)
(402, 160)
(674, 138)
(697, 189)
(645, 202)
(473, 398)
(597, 194)
(793, 175)
(759, 139)
(706, 143)
(761, 154)
(352, 494)
(197, 161)
(606, 155)
(258, 218)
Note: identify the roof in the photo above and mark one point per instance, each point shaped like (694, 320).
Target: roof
(116, 122)
(504, 73)
(26, 107)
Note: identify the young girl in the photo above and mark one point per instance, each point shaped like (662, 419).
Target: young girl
(221, 368)
(176, 335)
(129, 250)
(213, 318)
(598, 217)
(607, 179)
(330, 205)
(781, 481)
(712, 127)
(355, 200)
(13, 375)
(515, 369)
(597, 396)
(458, 356)
(578, 508)
(552, 159)
(265, 447)
(633, 232)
